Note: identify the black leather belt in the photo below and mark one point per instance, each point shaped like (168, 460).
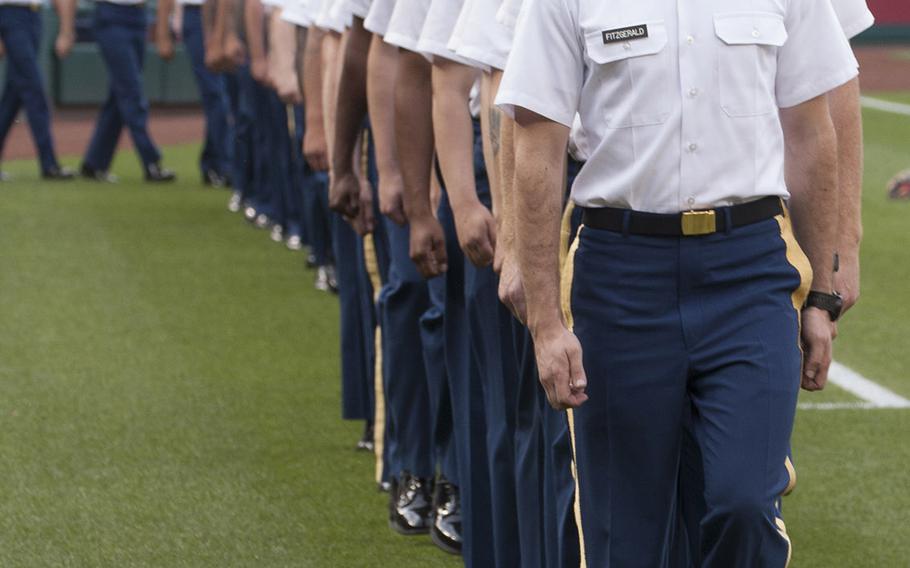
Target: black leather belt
(686, 224)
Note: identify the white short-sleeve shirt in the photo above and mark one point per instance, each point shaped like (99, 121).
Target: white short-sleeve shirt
(679, 101)
(479, 37)
(359, 8)
(406, 23)
(377, 20)
(181, 2)
(333, 16)
(295, 12)
(854, 16)
(508, 12)
(438, 28)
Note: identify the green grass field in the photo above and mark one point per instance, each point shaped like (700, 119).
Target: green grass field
(169, 391)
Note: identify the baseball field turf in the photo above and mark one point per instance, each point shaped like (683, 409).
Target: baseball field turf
(169, 391)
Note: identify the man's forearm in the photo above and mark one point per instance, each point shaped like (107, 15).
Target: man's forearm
(539, 152)
(300, 57)
(66, 12)
(414, 132)
(382, 74)
(453, 130)
(312, 78)
(163, 18)
(848, 124)
(507, 175)
(352, 90)
(253, 22)
(811, 158)
(331, 67)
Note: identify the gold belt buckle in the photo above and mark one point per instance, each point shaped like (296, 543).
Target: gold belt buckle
(699, 223)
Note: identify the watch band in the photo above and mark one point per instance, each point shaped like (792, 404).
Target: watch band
(831, 303)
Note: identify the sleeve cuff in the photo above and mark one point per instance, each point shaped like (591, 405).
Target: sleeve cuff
(507, 101)
(811, 89)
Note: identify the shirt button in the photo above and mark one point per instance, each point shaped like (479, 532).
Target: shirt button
(690, 40)
(691, 200)
(693, 92)
(692, 146)
(755, 32)
(627, 46)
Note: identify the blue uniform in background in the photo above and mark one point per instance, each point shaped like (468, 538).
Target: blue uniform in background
(217, 150)
(120, 30)
(20, 31)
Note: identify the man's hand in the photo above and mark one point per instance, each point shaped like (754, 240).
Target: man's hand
(391, 198)
(259, 69)
(476, 230)
(214, 56)
(2, 50)
(428, 246)
(232, 53)
(818, 332)
(846, 280)
(365, 221)
(560, 364)
(511, 288)
(344, 194)
(62, 46)
(287, 87)
(163, 43)
(315, 148)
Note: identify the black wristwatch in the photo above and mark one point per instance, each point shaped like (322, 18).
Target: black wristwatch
(831, 303)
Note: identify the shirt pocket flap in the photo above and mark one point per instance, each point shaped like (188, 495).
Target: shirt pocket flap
(750, 28)
(602, 51)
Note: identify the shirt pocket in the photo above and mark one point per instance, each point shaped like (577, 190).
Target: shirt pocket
(747, 62)
(631, 78)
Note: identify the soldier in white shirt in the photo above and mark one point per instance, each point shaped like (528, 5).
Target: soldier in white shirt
(685, 285)
(20, 33)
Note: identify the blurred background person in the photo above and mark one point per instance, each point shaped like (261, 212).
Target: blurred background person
(120, 30)
(215, 161)
(20, 38)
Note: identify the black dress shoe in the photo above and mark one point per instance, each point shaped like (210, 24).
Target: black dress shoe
(58, 173)
(446, 530)
(212, 178)
(366, 443)
(412, 511)
(154, 173)
(91, 173)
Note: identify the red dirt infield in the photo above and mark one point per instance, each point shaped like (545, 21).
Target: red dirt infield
(882, 68)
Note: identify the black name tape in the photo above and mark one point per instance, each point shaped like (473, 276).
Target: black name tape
(624, 34)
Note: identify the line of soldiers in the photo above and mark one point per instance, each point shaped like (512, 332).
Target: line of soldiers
(367, 130)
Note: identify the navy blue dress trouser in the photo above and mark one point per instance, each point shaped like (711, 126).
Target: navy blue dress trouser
(239, 95)
(433, 340)
(217, 151)
(704, 329)
(120, 31)
(404, 299)
(20, 30)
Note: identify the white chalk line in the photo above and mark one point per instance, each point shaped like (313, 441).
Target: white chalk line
(872, 395)
(885, 106)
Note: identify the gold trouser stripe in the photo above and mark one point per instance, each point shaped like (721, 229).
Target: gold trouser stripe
(798, 260)
(568, 272)
(372, 268)
(791, 473)
(565, 232)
